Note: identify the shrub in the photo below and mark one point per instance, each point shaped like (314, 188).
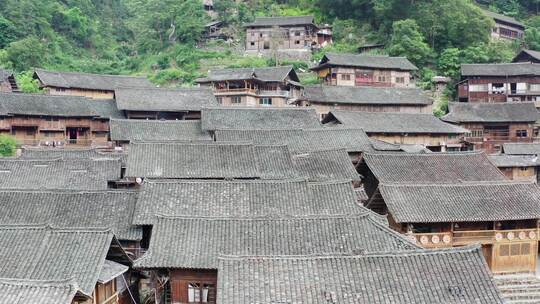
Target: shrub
(8, 145)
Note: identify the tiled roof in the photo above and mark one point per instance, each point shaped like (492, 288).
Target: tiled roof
(58, 174)
(268, 74)
(208, 160)
(366, 61)
(521, 148)
(89, 81)
(166, 100)
(505, 160)
(67, 208)
(36, 292)
(503, 18)
(5, 74)
(427, 168)
(299, 141)
(157, 130)
(326, 166)
(46, 105)
(492, 112)
(259, 118)
(106, 108)
(42, 253)
(64, 153)
(393, 122)
(449, 276)
(281, 21)
(531, 53)
(365, 95)
(467, 202)
(500, 69)
(177, 242)
(241, 199)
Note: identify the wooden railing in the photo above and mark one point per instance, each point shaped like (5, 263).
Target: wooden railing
(460, 238)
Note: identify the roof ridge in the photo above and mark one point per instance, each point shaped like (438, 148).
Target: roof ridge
(362, 214)
(461, 184)
(438, 154)
(84, 73)
(68, 191)
(235, 181)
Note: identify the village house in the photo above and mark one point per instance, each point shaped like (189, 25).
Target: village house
(413, 277)
(499, 82)
(163, 104)
(92, 272)
(401, 128)
(80, 174)
(175, 253)
(94, 86)
(326, 98)
(364, 70)
(56, 120)
(517, 167)
(493, 124)
(254, 87)
(505, 28)
(293, 36)
(8, 84)
(527, 56)
(124, 131)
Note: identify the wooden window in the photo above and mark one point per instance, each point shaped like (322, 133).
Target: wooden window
(201, 293)
(219, 100)
(381, 78)
(252, 43)
(297, 42)
(525, 249)
(345, 77)
(265, 101)
(523, 168)
(515, 249)
(521, 133)
(504, 250)
(30, 132)
(400, 79)
(236, 99)
(266, 45)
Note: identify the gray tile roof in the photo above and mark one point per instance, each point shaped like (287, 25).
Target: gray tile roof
(366, 61)
(157, 130)
(427, 168)
(5, 74)
(36, 292)
(299, 141)
(449, 276)
(63, 153)
(164, 100)
(500, 69)
(505, 160)
(42, 253)
(67, 208)
(58, 174)
(326, 166)
(208, 160)
(393, 122)
(258, 118)
(531, 53)
(177, 242)
(521, 148)
(365, 95)
(89, 81)
(106, 108)
(503, 18)
(267, 74)
(467, 202)
(280, 21)
(110, 271)
(492, 112)
(46, 105)
(241, 199)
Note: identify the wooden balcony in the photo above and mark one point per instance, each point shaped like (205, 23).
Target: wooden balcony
(462, 238)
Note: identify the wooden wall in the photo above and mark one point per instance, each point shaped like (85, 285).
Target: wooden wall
(180, 279)
(95, 94)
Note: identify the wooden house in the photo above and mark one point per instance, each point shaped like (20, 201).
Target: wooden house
(79, 174)
(401, 128)
(365, 70)
(414, 277)
(92, 272)
(527, 56)
(502, 216)
(326, 98)
(8, 83)
(94, 86)
(163, 104)
(296, 35)
(505, 27)
(493, 124)
(56, 120)
(174, 251)
(499, 82)
(517, 167)
(254, 87)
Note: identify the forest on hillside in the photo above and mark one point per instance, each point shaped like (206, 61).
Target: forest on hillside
(163, 38)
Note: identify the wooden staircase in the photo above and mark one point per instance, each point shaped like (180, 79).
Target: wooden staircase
(519, 288)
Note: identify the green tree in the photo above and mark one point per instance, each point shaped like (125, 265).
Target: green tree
(409, 42)
(26, 53)
(27, 83)
(8, 32)
(8, 145)
(449, 62)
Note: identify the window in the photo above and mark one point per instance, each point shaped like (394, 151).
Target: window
(201, 293)
(60, 89)
(266, 45)
(400, 79)
(381, 78)
(29, 132)
(297, 42)
(265, 101)
(260, 35)
(523, 168)
(515, 249)
(252, 43)
(219, 100)
(345, 77)
(478, 88)
(504, 250)
(476, 133)
(236, 99)
(525, 249)
(521, 133)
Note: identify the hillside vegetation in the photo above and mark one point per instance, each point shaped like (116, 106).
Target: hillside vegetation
(163, 38)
